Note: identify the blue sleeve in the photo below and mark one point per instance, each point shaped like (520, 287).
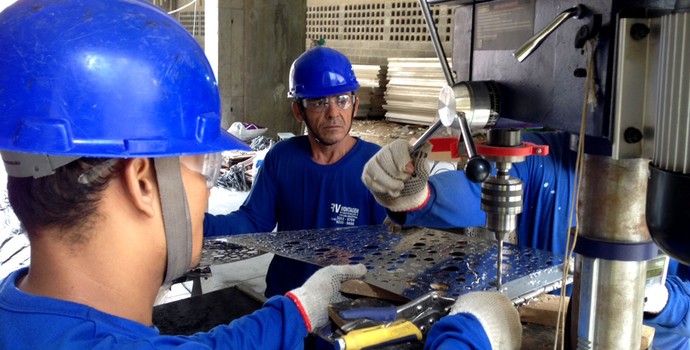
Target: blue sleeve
(675, 268)
(548, 182)
(256, 214)
(454, 202)
(458, 332)
(278, 325)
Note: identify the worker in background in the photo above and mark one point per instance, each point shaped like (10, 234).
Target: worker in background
(450, 200)
(312, 181)
(110, 135)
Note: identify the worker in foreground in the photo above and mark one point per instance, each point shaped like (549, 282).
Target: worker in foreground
(400, 182)
(110, 133)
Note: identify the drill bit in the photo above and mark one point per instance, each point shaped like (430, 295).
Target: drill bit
(500, 235)
(499, 264)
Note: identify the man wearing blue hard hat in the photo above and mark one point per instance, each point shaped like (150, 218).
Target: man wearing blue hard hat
(312, 181)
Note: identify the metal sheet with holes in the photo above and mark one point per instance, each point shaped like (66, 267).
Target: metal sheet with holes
(413, 262)
(217, 252)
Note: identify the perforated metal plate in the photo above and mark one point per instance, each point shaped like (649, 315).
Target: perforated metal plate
(415, 261)
(217, 252)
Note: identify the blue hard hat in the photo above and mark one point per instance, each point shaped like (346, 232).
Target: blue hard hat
(105, 78)
(321, 71)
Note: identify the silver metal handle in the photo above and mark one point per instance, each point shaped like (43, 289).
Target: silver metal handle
(425, 136)
(437, 42)
(533, 43)
(464, 127)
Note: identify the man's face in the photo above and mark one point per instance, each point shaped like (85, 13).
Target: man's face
(329, 119)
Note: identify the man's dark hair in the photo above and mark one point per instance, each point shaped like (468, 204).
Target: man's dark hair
(59, 200)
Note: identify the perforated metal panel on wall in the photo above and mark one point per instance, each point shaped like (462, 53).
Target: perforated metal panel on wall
(190, 13)
(193, 21)
(369, 32)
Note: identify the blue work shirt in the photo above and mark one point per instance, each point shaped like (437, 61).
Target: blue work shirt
(296, 193)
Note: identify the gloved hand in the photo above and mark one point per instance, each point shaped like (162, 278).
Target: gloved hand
(391, 225)
(398, 179)
(498, 317)
(655, 298)
(321, 289)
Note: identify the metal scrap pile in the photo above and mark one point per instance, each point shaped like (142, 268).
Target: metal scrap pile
(14, 244)
(239, 167)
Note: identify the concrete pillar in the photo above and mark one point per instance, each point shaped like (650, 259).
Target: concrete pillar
(254, 44)
(275, 37)
(211, 34)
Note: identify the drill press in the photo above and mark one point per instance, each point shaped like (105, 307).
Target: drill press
(502, 193)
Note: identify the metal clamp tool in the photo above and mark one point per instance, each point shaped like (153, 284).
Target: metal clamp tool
(378, 327)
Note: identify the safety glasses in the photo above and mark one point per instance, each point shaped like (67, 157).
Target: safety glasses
(320, 105)
(207, 165)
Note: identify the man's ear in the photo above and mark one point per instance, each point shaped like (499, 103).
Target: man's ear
(139, 179)
(356, 107)
(297, 112)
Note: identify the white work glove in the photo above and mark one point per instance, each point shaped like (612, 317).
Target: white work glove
(321, 289)
(655, 298)
(398, 179)
(498, 316)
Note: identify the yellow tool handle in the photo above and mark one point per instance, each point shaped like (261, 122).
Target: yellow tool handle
(395, 332)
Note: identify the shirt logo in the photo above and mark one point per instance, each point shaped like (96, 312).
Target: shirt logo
(343, 215)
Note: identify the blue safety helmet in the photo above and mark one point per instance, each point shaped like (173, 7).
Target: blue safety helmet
(321, 71)
(104, 78)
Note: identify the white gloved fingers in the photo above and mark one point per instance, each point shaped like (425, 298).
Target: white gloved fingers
(385, 171)
(499, 318)
(342, 273)
(655, 298)
(379, 181)
(331, 277)
(419, 158)
(393, 157)
(396, 153)
(392, 184)
(321, 289)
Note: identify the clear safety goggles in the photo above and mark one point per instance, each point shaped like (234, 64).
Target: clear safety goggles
(320, 105)
(207, 165)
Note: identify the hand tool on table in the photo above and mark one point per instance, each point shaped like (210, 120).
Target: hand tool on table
(377, 326)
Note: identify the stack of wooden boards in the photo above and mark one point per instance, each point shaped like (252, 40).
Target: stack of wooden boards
(413, 88)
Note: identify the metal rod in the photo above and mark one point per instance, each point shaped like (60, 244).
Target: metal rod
(537, 39)
(426, 135)
(479, 168)
(499, 264)
(436, 40)
(466, 136)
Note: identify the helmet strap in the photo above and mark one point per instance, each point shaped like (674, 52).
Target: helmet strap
(176, 218)
(311, 132)
(306, 123)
